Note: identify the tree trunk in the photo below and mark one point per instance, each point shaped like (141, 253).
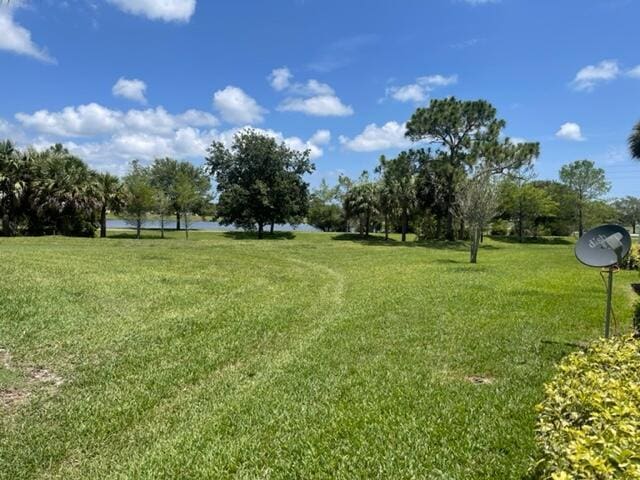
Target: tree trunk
(186, 225)
(580, 226)
(178, 221)
(162, 225)
(386, 227)
(461, 234)
(405, 224)
(450, 230)
(475, 243)
(103, 221)
(366, 226)
(633, 227)
(138, 226)
(7, 229)
(450, 233)
(273, 224)
(260, 229)
(520, 229)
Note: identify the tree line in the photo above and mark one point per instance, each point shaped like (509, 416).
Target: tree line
(462, 179)
(51, 191)
(259, 183)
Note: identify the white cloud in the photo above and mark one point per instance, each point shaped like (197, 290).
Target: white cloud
(570, 131)
(313, 144)
(94, 119)
(197, 118)
(312, 98)
(235, 106)
(90, 119)
(588, 77)
(166, 10)
(318, 106)
(634, 72)
(408, 93)
(418, 91)
(311, 88)
(116, 152)
(321, 137)
(374, 138)
(280, 78)
(17, 39)
(132, 89)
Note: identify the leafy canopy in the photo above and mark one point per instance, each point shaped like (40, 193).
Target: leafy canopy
(259, 181)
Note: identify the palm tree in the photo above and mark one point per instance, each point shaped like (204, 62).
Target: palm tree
(65, 193)
(634, 142)
(399, 178)
(361, 202)
(12, 185)
(109, 189)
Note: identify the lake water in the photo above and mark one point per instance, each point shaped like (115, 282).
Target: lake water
(212, 226)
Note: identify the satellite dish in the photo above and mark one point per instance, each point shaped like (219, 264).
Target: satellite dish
(604, 246)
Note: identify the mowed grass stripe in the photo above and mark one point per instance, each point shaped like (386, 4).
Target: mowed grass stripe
(306, 358)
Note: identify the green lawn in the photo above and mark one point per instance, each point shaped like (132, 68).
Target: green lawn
(310, 357)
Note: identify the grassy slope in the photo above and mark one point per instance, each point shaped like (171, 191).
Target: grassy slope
(304, 358)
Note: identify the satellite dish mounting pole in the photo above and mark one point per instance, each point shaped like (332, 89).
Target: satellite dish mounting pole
(605, 247)
(607, 315)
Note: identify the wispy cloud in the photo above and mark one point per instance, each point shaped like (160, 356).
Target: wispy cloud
(472, 42)
(165, 10)
(17, 39)
(341, 53)
(419, 91)
(590, 76)
(311, 98)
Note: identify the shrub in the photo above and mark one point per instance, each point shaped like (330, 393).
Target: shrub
(589, 423)
(426, 227)
(636, 320)
(632, 261)
(499, 228)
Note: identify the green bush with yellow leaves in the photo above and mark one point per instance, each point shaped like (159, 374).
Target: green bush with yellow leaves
(632, 260)
(589, 423)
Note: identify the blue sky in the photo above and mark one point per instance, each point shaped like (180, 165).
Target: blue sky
(121, 79)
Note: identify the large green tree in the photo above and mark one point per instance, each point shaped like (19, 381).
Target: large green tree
(628, 211)
(259, 181)
(587, 182)
(562, 219)
(165, 173)
(398, 187)
(186, 198)
(325, 211)
(360, 202)
(46, 191)
(63, 194)
(465, 134)
(139, 195)
(525, 205)
(109, 192)
(12, 186)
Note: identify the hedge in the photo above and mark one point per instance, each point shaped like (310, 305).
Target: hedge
(589, 423)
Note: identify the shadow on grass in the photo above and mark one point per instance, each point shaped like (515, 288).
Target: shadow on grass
(378, 240)
(254, 236)
(145, 235)
(534, 240)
